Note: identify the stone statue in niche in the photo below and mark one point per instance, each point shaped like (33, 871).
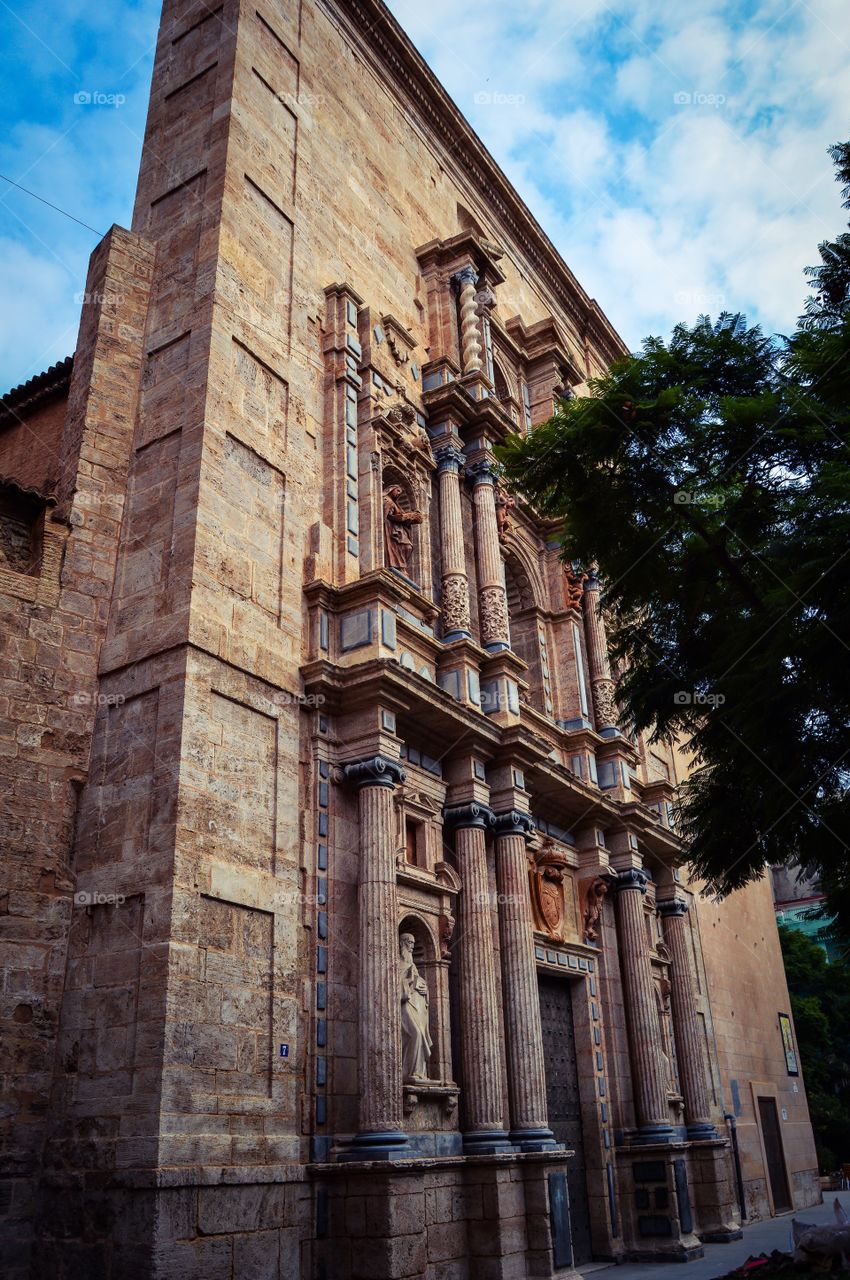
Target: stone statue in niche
(397, 522)
(504, 505)
(596, 893)
(416, 1040)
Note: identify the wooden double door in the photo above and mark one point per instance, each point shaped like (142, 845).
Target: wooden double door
(564, 1104)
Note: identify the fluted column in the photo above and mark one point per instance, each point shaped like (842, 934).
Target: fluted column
(470, 340)
(380, 1135)
(481, 1048)
(693, 1068)
(650, 1091)
(492, 597)
(599, 664)
(523, 1032)
(455, 583)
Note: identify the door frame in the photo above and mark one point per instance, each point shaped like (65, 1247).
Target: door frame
(764, 1089)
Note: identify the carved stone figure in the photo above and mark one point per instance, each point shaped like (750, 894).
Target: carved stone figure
(397, 522)
(594, 903)
(416, 1040)
(504, 505)
(574, 586)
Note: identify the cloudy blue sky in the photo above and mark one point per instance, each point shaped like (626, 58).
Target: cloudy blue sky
(675, 152)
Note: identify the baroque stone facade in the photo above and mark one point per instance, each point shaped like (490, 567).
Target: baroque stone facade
(344, 931)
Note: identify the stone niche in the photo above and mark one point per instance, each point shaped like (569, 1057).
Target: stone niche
(427, 893)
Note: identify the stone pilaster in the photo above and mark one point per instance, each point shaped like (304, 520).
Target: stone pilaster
(492, 597)
(470, 340)
(686, 1029)
(601, 683)
(380, 1135)
(526, 1072)
(650, 1091)
(484, 1103)
(455, 583)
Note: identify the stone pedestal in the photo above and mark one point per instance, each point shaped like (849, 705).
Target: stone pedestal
(656, 1203)
(526, 1073)
(455, 585)
(714, 1192)
(480, 1031)
(492, 597)
(641, 1014)
(380, 1135)
(686, 1029)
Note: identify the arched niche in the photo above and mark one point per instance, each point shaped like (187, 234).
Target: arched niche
(425, 957)
(396, 488)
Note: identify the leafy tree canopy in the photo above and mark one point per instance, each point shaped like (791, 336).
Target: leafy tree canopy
(708, 477)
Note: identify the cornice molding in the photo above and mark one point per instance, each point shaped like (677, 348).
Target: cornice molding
(375, 32)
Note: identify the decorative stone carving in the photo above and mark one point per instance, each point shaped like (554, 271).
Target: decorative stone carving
(397, 522)
(504, 504)
(455, 603)
(493, 608)
(416, 1043)
(547, 890)
(604, 702)
(379, 771)
(447, 928)
(597, 891)
(574, 581)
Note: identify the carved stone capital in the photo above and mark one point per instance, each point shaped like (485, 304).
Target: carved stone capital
(449, 458)
(467, 275)
(514, 823)
(631, 878)
(375, 771)
(482, 471)
(668, 907)
(469, 815)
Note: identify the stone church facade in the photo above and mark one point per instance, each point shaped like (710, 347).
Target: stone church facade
(345, 934)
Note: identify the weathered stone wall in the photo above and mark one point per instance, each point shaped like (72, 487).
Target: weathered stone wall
(49, 695)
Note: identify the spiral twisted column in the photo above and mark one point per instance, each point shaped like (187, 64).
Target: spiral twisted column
(650, 1090)
(483, 1097)
(599, 664)
(380, 1135)
(693, 1068)
(470, 340)
(455, 585)
(523, 1031)
(492, 597)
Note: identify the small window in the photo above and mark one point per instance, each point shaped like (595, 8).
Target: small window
(20, 531)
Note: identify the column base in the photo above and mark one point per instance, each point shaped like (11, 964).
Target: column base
(653, 1133)
(386, 1144)
(533, 1140)
(497, 646)
(702, 1131)
(451, 636)
(721, 1237)
(486, 1142)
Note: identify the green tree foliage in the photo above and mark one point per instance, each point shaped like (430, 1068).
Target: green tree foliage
(820, 1003)
(708, 477)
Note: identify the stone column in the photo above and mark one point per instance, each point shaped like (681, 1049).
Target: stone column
(380, 1135)
(455, 583)
(601, 684)
(481, 1045)
(492, 597)
(686, 1028)
(526, 1072)
(650, 1091)
(470, 340)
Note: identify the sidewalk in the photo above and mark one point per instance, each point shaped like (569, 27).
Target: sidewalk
(760, 1237)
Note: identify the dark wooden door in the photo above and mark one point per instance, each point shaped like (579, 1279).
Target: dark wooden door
(562, 1097)
(772, 1139)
